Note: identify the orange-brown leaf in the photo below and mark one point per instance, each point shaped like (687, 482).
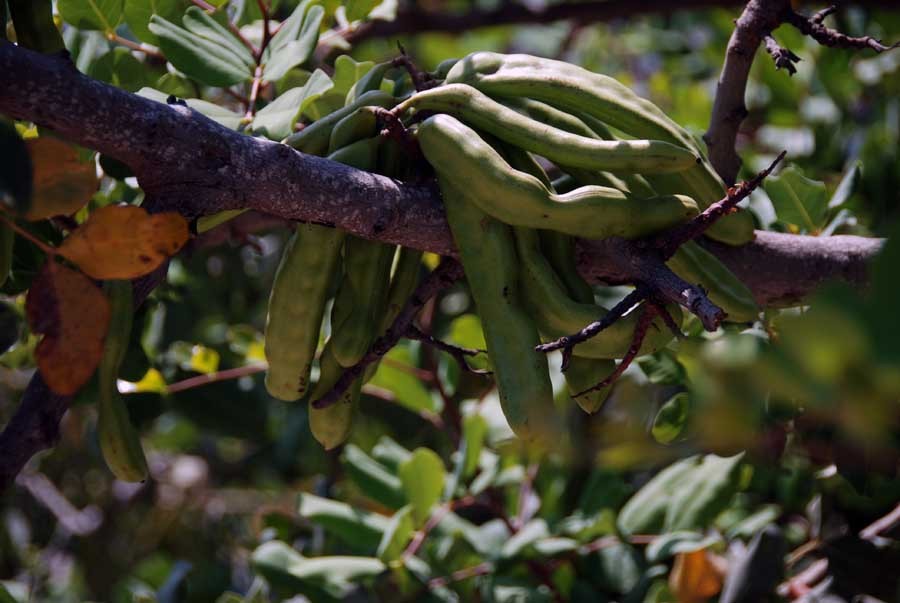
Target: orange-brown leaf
(62, 182)
(695, 578)
(73, 315)
(124, 241)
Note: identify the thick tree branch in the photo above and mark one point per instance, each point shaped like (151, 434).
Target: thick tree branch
(759, 19)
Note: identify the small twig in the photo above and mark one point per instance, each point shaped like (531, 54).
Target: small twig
(199, 380)
(391, 126)
(254, 93)
(669, 242)
(648, 313)
(78, 522)
(820, 15)
(568, 342)
(267, 36)
(47, 249)
(459, 353)
(420, 79)
(826, 36)
(418, 538)
(664, 313)
(783, 57)
(151, 52)
(447, 273)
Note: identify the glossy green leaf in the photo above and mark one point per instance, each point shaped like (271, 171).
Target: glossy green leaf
(389, 453)
(103, 15)
(358, 528)
(297, 44)
(798, 200)
(671, 418)
(531, 532)
(616, 568)
(210, 62)
(202, 24)
(706, 491)
(422, 476)
(645, 512)
(319, 577)
(138, 12)
(347, 72)
(397, 534)
(373, 479)
(847, 187)
(276, 120)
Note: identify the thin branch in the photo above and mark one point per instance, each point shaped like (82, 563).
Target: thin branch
(420, 79)
(8, 219)
(149, 51)
(669, 241)
(648, 313)
(826, 36)
(783, 57)
(224, 375)
(254, 93)
(457, 352)
(78, 522)
(482, 569)
(419, 537)
(448, 272)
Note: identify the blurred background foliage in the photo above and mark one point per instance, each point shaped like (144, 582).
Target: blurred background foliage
(800, 410)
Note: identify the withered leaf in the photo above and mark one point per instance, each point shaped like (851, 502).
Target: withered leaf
(695, 577)
(72, 314)
(63, 183)
(124, 241)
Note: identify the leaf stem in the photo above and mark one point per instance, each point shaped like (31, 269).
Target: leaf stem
(51, 251)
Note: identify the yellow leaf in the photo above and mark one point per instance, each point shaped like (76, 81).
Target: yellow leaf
(204, 360)
(124, 241)
(694, 577)
(256, 352)
(73, 315)
(62, 182)
(151, 382)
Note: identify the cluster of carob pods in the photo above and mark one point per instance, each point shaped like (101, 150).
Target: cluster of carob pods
(625, 169)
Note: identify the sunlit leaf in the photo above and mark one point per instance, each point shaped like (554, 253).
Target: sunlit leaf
(63, 183)
(296, 44)
(373, 478)
(355, 527)
(276, 120)
(704, 492)
(124, 241)
(72, 314)
(211, 61)
(152, 382)
(103, 15)
(847, 187)
(422, 476)
(397, 376)
(474, 432)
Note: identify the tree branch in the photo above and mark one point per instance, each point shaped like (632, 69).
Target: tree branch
(759, 19)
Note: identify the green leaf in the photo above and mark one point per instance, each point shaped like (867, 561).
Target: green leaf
(706, 491)
(119, 68)
(276, 120)
(645, 512)
(617, 568)
(798, 201)
(296, 45)
(373, 478)
(671, 418)
(199, 23)
(210, 62)
(422, 476)
(216, 113)
(355, 527)
(408, 389)
(347, 72)
(397, 535)
(389, 453)
(333, 577)
(474, 432)
(531, 532)
(16, 171)
(103, 15)
(358, 9)
(138, 12)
